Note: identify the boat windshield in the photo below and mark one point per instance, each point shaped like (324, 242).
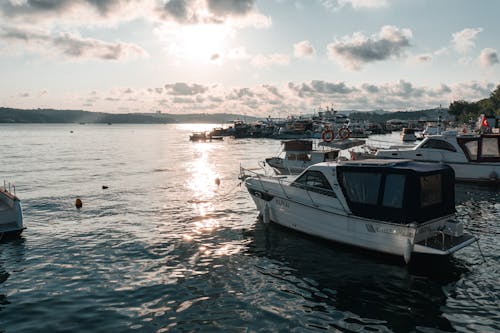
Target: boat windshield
(403, 194)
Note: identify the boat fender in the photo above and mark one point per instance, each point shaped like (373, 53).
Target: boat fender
(408, 250)
(344, 133)
(266, 214)
(327, 135)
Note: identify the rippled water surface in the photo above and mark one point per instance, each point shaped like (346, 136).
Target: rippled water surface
(166, 249)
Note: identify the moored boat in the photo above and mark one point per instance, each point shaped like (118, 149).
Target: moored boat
(474, 157)
(399, 207)
(11, 215)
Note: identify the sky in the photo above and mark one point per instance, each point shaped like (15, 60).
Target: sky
(252, 57)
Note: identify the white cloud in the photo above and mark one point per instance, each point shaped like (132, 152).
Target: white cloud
(261, 60)
(70, 45)
(355, 4)
(356, 50)
(488, 57)
(303, 49)
(463, 41)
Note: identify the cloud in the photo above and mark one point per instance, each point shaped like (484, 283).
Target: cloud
(71, 45)
(488, 57)
(181, 88)
(355, 4)
(463, 41)
(261, 60)
(303, 49)
(422, 58)
(357, 50)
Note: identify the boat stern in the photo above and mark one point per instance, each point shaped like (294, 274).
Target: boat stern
(442, 238)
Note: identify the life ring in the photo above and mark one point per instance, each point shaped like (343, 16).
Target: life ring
(344, 133)
(327, 135)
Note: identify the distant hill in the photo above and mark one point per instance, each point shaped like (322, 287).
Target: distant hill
(383, 116)
(11, 115)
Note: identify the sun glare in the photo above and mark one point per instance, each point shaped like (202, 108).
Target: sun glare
(199, 42)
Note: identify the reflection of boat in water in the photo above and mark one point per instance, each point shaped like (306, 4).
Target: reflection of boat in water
(474, 158)
(11, 215)
(358, 286)
(396, 207)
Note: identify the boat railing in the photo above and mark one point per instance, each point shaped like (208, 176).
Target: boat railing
(9, 188)
(283, 181)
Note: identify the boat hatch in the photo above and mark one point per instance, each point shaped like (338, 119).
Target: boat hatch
(403, 193)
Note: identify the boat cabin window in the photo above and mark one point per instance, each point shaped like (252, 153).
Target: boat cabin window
(430, 190)
(471, 149)
(438, 144)
(490, 147)
(394, 191)
(362, 187)
(314, 181)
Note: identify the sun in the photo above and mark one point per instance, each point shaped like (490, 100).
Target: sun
(203, 42)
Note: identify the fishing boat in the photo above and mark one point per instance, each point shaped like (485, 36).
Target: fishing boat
(11, 215)
(473, 157)
(399, 207)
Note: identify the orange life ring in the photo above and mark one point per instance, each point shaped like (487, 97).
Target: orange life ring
(344, 133)
(327, 135)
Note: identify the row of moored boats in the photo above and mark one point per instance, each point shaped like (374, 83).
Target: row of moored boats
(396, 201)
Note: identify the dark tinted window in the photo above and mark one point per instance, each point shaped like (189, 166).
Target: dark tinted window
(438, 144)
(394, 191)
(430, 190)
(362, 187)
(314, 181)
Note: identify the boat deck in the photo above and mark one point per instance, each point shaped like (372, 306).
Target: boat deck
(445, 243)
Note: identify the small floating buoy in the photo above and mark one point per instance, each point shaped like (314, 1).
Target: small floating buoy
(78, 203)
(217, 181)
(104, 187)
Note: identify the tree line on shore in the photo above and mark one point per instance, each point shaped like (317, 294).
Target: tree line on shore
(465, 111)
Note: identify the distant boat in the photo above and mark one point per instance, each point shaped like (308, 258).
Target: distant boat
(11, 215)
(298, 155)
(203, 136)
(398, 207)
(474, 157)
(408, 134)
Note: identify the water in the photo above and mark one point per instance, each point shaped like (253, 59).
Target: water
(166, 249)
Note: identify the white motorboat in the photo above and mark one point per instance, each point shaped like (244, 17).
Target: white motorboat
(399, 207)
(11, 215)
(298, 155)
(473, 157)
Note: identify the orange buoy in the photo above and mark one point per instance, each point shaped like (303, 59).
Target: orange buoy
(78, 203)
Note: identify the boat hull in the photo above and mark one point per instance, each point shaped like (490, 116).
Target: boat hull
(391, 238)
(11, 216)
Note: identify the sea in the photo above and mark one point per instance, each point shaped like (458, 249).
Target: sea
(168, 240)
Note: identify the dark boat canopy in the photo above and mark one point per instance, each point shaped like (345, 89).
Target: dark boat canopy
(398, 191)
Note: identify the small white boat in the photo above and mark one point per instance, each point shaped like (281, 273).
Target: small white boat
(399, 207)
(473, 157)
(298, 155)
(11, 215)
